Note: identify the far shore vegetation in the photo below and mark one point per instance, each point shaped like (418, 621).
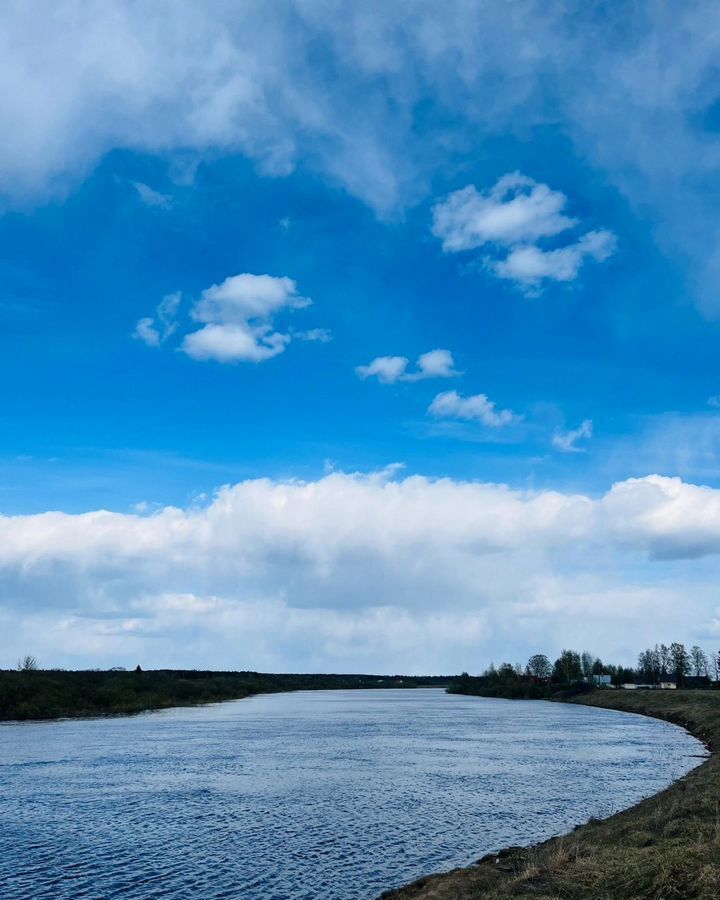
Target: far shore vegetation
(29, 692)
(662, 666)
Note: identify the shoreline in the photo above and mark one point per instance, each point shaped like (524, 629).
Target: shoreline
(49, 695)
(668, 845)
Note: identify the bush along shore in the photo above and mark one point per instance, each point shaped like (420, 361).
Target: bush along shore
(50, 694)
(667, 846)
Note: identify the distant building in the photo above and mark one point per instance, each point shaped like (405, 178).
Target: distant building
(667, 682)
(629, 686)
(602, 680)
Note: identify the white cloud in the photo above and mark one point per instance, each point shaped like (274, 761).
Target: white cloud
(512, 217)
(435, 364)
(389, 369)
(176, 82)
(664, 517)
(530, 265)
(237, 318)
(451, 405)
(515, 210)
(567, 440)
(231, 343)
(151, 197)
(360, 571)
(319, 335)
(154, 333)
(146, 332)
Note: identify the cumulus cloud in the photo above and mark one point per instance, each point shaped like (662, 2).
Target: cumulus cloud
(515, 210)
(155, 331)
(664, 517)
(528, 266)
(389, 369)
(238, 319)
(451, 405)
(567, 440)
(512, 217)
(435, 364)
(363, 571)
(386, 369)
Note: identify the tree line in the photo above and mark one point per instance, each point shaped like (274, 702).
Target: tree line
(29, 692)
(571, 668)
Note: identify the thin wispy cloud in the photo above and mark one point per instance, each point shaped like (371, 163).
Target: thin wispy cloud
(155, 330)
(178, 84)
(314, 335)
(151, 197)
(566, 441)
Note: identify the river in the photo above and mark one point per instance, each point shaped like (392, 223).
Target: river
(327, 795)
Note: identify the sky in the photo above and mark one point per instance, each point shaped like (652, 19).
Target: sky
(358, 336)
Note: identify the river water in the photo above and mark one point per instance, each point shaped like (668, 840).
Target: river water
(329, 795)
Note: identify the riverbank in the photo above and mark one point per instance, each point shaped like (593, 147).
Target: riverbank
(45, 694)
(667, 846)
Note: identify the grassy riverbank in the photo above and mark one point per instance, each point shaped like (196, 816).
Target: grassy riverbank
(56, 694)
(666, 847)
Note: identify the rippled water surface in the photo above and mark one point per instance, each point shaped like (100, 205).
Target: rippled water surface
(305, 796)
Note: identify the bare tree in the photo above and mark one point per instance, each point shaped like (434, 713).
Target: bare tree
(680, 661)
(665, 657)
(27, 664)
(698, 660)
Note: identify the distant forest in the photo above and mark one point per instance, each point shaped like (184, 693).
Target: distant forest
(31, 693)
(573, 672)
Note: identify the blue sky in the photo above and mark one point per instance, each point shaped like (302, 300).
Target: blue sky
(228, 239)
(101, 419)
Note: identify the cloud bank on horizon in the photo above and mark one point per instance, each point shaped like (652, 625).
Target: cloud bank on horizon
(353, 570)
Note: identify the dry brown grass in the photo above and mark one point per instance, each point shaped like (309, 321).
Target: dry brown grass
(666, 848)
